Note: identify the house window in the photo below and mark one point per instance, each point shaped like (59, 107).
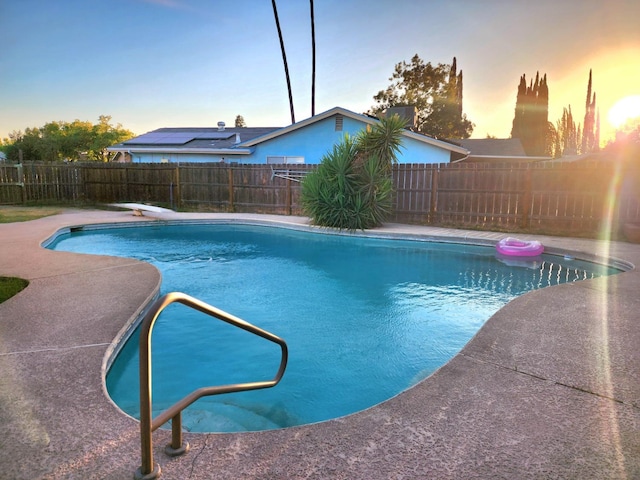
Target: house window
(339, 121)
(283, 159)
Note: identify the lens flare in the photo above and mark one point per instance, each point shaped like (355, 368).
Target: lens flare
(611, 428)
(624, 110)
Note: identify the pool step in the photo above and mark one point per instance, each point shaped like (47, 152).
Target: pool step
(225, 417)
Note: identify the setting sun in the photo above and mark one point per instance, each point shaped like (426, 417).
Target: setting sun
(623, 110)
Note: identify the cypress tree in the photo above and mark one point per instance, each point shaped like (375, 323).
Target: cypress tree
(519, 126)
(454, 89)
(531, 119)
(589, 142)
(567, 134)
(459, 93)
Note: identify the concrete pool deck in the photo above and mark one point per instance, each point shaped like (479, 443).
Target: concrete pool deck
(548, 388)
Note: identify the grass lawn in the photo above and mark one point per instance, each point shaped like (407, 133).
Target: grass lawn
(10, 214)
(9, 286)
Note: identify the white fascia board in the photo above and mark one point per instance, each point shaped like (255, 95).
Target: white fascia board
(515, 158)
(436, 143)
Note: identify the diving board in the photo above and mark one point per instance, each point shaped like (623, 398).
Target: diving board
(139, 208)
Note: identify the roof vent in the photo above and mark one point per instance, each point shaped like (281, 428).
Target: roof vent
(237, 138)
(221, 126)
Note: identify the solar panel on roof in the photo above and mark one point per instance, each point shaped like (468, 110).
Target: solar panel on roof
(214, 135)
(149, 136)
(164, 138)
(178, 137)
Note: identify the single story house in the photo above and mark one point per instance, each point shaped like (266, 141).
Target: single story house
(302, 142)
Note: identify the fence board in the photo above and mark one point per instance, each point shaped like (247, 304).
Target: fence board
(11, 184)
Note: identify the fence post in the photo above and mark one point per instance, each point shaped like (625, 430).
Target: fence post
(288, 205)
(177, 192)
(126, 183)
(23, 189)
(231, 207)
(433, 200)
(526, 198)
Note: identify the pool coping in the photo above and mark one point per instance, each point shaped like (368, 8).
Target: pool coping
(549, 387)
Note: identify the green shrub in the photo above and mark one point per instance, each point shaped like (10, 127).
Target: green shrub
(352, 189)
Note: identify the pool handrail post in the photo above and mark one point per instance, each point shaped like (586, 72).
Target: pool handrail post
(149, 471)
(176, 447)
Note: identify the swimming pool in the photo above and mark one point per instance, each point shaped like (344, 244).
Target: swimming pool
(364, 318)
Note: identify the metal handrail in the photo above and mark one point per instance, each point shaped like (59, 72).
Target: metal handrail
(289, 174)
(148, 470)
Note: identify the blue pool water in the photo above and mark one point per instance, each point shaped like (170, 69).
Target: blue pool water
(364, 318)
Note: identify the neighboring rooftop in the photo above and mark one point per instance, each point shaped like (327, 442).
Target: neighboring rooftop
(505, 147)
(495, 150)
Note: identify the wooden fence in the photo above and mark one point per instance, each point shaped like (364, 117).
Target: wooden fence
(573, 198)
(570, 198)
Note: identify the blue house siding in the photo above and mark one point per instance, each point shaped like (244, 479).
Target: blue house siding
(413, 151)
(313, 141)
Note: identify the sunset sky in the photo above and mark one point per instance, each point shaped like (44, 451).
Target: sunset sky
(171, 63)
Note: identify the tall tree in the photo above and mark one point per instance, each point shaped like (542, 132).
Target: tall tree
(455, 87)
(531, 118)
(567, 134)
(520, 118)
(284, 60)
(435, 92)
(589, 140)
(57, 141)
(313, 60)
(103, 135)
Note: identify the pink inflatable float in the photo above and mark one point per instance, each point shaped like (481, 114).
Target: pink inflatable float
(513, 247)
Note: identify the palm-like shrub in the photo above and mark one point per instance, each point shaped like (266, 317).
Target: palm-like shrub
(351, 189)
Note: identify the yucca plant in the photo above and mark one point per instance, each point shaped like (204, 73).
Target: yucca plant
(383, 140)
(352, 188)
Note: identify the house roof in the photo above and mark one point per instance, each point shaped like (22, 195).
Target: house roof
(503, 147)
(241, 141)
(192, 140)
(355, 116)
